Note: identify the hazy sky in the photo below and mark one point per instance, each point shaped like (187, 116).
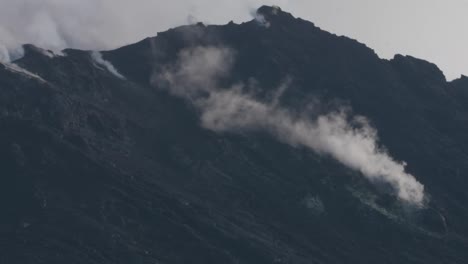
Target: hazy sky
(429, 29)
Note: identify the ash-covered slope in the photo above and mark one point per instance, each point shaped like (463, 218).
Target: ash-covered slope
(229, 144)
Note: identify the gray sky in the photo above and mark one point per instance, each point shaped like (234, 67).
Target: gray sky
(429, 29)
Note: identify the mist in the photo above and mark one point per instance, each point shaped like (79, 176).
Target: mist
(349, 139)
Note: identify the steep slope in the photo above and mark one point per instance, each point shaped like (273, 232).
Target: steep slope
(100, 169)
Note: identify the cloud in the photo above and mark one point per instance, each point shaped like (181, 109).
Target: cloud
(97, 57)
(348, 139)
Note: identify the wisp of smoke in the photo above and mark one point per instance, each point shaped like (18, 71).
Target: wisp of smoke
(4, 54)
(25, 73)
(97, 57)
(349, 140)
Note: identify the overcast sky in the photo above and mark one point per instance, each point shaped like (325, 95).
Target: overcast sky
(431, 29)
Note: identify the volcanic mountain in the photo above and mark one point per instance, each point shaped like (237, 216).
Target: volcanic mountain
(270, 141)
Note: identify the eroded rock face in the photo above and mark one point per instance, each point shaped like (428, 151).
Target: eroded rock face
(100, 169)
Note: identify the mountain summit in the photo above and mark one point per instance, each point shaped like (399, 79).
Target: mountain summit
(270, 141)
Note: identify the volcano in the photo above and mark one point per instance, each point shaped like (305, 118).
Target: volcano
(270, 141)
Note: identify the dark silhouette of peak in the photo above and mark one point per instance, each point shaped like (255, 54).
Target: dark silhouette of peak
(462, 80)
(459, 90)
(36, 53)
(275, 14)
(103, 163)
(270, 10)
(30, 48)
(418, 68)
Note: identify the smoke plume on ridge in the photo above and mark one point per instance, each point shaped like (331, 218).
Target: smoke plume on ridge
(348, 139)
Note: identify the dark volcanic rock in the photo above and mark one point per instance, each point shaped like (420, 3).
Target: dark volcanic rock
(96, 169)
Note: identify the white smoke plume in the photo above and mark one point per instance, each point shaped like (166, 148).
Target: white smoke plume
(25, 73)
(97, 57)
(104, 24)
(349, 140)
